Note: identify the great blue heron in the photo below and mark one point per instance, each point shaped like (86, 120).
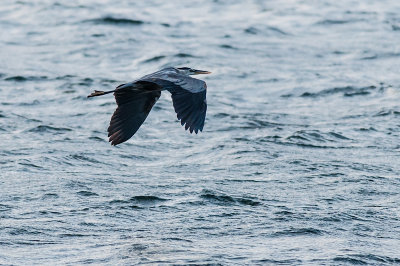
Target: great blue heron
(135, 100)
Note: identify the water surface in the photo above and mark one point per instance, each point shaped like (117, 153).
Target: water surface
(298, 163)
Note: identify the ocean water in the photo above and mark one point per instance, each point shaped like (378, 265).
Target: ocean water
(298, 163)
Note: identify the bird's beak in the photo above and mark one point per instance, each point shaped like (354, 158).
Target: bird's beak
(197, 72)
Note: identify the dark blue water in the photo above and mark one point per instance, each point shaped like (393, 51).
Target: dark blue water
(298, 163)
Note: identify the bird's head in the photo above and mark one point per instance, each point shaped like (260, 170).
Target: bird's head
(191, 71)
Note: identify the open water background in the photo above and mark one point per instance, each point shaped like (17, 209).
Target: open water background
(298, 163)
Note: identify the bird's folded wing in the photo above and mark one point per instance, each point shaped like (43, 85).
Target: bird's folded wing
(133, 108)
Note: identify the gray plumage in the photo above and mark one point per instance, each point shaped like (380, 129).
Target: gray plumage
(136, 99)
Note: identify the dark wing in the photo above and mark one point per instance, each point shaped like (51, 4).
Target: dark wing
(133, 108)
(190, 108)
(188, 97)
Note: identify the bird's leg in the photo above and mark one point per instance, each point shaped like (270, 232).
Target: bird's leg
(99, 93)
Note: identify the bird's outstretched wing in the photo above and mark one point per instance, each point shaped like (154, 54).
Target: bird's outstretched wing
(190, 108)
(188, 97)
(133, 108)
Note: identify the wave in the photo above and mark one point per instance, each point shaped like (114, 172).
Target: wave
(115, 21)
(227, 46)
(386, 112)
(137, 202)
(86, 193)
(183, 55)
(269, 30)
(82, 158)
(395, 27)
(337, 21)
(147, 199)
(25, 78)
(298, 231)
(154, 59)
(365, 259)
(222, 199)
(380, 56)
(347, 91)
(49, 129)
(316, 135)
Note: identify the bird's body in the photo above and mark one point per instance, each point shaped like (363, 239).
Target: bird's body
(135, 100)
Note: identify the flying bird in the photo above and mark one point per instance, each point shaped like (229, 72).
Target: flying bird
(135, 100)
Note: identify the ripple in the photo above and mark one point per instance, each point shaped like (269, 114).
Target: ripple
(98, 35)
(278, 262)
(86, 193)
(65, 77)
(228, 46)
(115, 21)
(347, 91)
(25, 78)
(5, 207)
(176, 239)
(183, 55)
(349, 260)
(387, 112)
(395, 27)
(154, 59)
(276, 30)
(82, 157)
(222, 199)
(378, 258)
(269, 30)
(73, 235)
(337, 21)
(298, 231)
(137, 202)
(365, 129)
(49, 129)
(316, 136)
(252, 30)
(147, 199)
(95, 138)
(380, 56)
(29, 164)
(24, 231)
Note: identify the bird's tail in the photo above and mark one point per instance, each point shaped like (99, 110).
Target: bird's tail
(99, 93)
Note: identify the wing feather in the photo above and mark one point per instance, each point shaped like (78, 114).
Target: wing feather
(188, 97)
(190, 109)
(133, 108)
